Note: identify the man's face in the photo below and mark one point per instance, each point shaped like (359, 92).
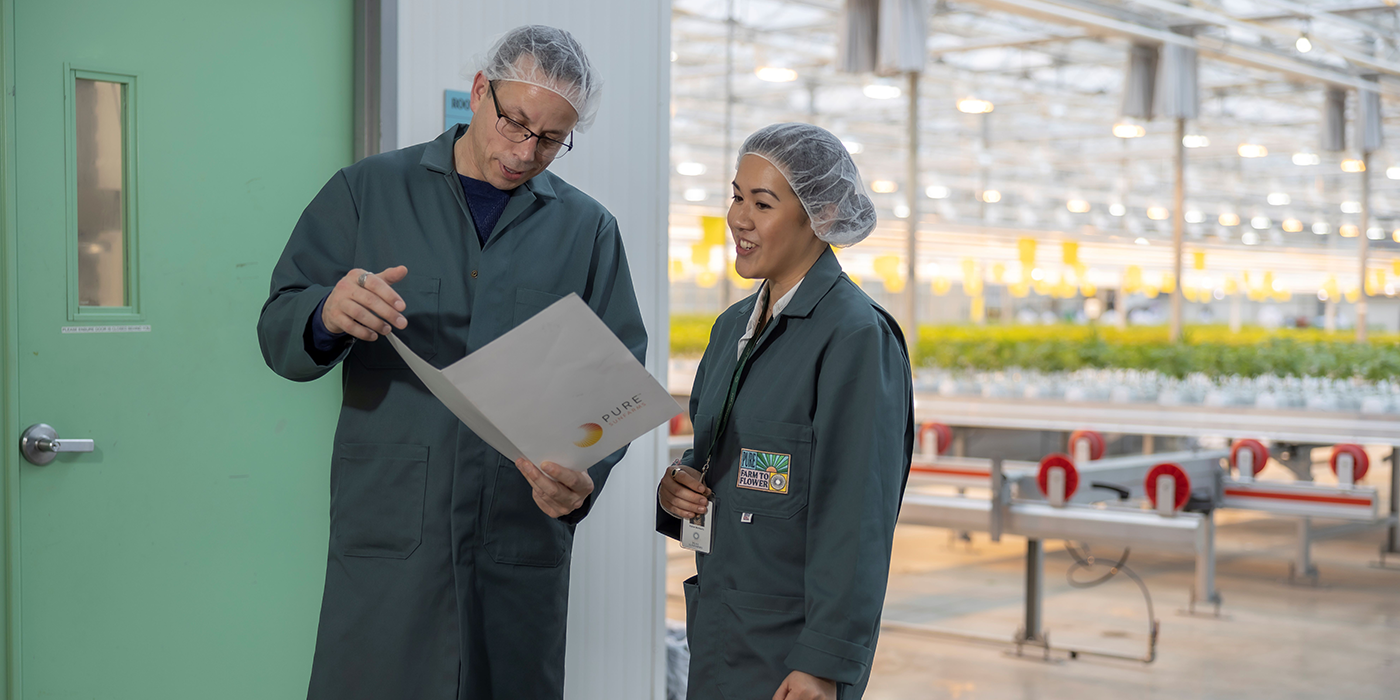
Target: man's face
(498, 160)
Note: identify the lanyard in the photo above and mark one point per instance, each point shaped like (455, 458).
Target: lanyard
(733, 394)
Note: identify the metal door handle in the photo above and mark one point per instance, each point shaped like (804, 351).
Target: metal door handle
(40, 444)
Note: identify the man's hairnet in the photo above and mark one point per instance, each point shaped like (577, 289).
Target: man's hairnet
(552, 59)
(821, 172)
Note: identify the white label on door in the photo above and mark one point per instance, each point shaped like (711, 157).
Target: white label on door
(106, 329)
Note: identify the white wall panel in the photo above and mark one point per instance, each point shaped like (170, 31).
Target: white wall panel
(617, 605)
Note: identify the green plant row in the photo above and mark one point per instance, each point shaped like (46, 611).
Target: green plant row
(1209, 350)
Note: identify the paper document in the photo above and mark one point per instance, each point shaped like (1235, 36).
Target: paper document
(559, 387)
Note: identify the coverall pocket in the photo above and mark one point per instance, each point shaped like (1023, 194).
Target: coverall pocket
(692, 596)
(420, 298)
(377, 496)
(775, 464)
(529, 302)
(761, 631)
(517, 531)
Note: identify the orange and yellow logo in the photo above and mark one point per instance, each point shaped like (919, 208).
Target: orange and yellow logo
(592, 433)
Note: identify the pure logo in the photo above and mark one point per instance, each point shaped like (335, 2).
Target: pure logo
(764, 471)
(622, 410)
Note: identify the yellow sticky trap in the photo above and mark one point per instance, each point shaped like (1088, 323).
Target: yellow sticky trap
(1150, 292)
(1088, 289)
(1070, 251)
(887, 265)
(1027, 249)
(941, 285)
(677, 268)
(978, 309)
(1395, 267)
(706, 279)
(894, 284)
(700, 254)
(713, 228)
(1353, 294)
(1020, 290)
(999, 271)
(1168, 283)
(1199, 259)
(1189, 293)
(1042, 287)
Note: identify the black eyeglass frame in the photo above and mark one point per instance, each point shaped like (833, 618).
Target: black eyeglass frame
(540, 139)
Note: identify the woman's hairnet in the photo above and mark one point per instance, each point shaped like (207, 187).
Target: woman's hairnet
(821, 172)
(552, 59)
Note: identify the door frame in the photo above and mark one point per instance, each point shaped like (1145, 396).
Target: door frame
(9, 364)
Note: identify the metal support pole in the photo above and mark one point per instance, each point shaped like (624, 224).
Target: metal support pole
(1363, 244)
(1302, 565)
(1392, 538)
(1204, 591)
(1035, 591)
(1178, 226)
(726, 295)
(911, 180)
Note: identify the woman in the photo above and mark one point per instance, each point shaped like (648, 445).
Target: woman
(801, 455)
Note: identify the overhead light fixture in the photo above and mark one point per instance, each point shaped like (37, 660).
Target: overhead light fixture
(1077, 206)
(1195, 216)
(1303, 44)
(882, 91)
(1279, 199)
(674, 57)
(991, 196)
(1117, 209)
(1252, 150)
(1229, 219)
(972, 105)
(1393, 172)
(1306, 159)
(1142, 241)
(1351, 207)
(691, 168)
(774, 74)
(1321, 228)
(1353, 165)
(1126, 130)
(1349, 231)
(1260, 222)
(1292, 225)
(1375, 233)
(1195, 141)
(884, 186)
(1037, 274)
(1322, 295)
(695, 194)
(1395, 235)
(853, 147)
(901, 211)
(1249, 238)
(937, 192)
(1158, 213)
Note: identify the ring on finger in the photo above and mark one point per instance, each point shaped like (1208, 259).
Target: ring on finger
(363, 276)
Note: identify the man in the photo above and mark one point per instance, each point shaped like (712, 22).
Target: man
(449, 565)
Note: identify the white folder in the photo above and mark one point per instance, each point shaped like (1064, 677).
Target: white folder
(559, 387)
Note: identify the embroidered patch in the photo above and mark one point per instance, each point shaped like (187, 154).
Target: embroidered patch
(764, 471)
(746, 518)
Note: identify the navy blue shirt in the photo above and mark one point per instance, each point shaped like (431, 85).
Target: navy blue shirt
(486, 204)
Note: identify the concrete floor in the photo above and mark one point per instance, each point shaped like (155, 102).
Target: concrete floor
(1274, 640)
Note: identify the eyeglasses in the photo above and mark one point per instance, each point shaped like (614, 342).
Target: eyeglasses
(517, 132)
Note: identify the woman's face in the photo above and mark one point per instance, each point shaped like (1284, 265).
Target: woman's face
(772, 236)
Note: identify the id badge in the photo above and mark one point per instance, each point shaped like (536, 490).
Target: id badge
(695, 532)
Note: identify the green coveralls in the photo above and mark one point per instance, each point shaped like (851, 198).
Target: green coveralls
(800, 585)
(445, 580)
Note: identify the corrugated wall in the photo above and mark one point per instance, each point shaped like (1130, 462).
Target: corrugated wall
(616, 638)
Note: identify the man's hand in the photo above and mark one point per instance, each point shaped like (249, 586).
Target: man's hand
(805, 686)
(682, 494)
(365, 312)
(558, 491)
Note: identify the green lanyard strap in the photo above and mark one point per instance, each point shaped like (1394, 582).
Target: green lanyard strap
(733, 394)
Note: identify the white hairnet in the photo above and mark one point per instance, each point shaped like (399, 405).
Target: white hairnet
(552, 59)
(821, 172)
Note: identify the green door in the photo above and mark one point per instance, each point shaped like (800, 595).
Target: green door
(162, 151)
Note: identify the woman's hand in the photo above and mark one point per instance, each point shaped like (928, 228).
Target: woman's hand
(805, 686)
(682, 494)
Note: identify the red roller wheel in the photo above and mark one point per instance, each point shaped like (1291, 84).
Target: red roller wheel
(1183, 484)
(1042, 478)
(1096, 442)
(944, 433)
(1361, 463)
(1261, 454)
